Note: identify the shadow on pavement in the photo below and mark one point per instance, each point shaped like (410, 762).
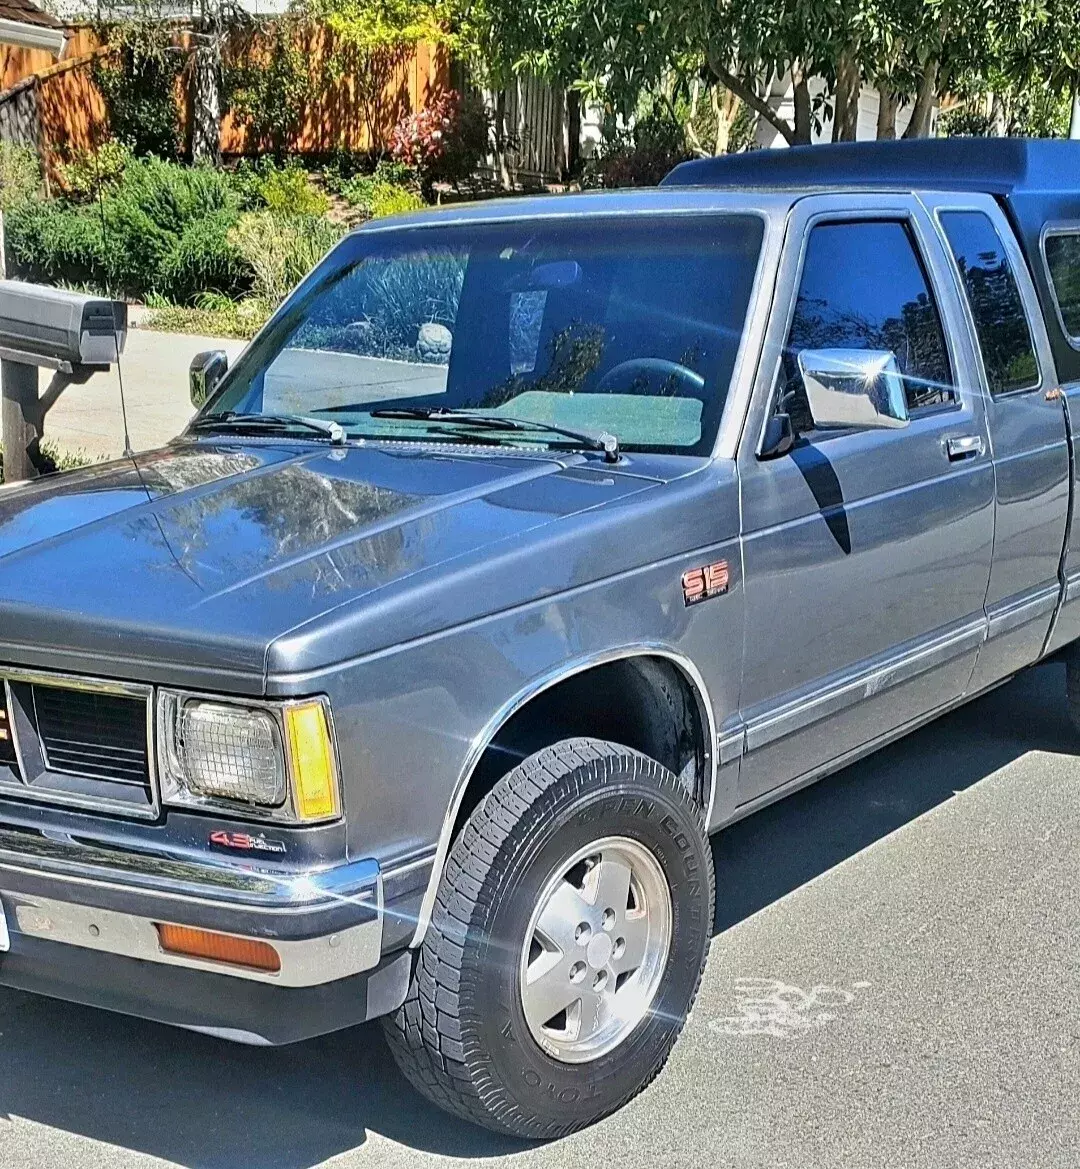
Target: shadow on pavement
(204, 1103)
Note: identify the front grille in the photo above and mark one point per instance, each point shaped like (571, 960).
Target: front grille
(100, 736)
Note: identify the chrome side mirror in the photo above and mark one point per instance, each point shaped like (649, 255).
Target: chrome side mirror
(854, 388)
(204, 373)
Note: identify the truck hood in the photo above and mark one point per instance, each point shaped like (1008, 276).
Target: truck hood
(194, 559)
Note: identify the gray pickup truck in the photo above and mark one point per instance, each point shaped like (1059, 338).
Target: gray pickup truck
(529, 544)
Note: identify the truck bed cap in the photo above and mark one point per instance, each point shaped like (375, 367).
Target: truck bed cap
(998, 166)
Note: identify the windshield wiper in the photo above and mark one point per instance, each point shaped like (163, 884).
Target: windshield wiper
(269, 423)
(605, 442)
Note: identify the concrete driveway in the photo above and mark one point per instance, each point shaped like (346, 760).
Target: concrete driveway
(154, 366)
(895, 981)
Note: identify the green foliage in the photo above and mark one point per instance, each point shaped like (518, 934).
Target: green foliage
(281, 250)
(50, 242)
(373, 38)
(139, 80)
(161, 228)
(203, 259)
(390, 190)
(51, 458)
(268, 81)
(213, 315)
(641, 156)
(20, 175)
(614, 51)
(290, 191)
(92, 170)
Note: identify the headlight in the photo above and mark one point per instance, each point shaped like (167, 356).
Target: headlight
(267, 761)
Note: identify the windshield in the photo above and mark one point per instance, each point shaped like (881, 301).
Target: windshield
(628, 326)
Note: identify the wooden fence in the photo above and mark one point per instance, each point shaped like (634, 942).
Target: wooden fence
(58, 107)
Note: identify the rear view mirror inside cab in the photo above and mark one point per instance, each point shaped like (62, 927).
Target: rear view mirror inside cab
(853, 388)
(548, 277)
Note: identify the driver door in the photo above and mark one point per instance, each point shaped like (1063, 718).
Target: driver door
(866, 551)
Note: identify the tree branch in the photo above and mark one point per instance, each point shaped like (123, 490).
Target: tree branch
(757, 104)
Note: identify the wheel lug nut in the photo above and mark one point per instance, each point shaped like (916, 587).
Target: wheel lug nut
(608, 922)
(620, 948)
(583, 933)
(577, 971)
(600, 981)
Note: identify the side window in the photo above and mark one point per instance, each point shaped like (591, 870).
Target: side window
(1063, 262)
(998, 311)
(864, 286)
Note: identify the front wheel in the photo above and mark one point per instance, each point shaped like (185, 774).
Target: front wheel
(567, 943)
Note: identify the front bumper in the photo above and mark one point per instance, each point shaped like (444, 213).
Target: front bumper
(82, 923)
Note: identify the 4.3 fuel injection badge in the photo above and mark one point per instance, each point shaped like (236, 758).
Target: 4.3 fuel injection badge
(699, 584)
(245, 842)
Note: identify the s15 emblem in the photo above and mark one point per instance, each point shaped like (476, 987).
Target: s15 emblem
(699, 584)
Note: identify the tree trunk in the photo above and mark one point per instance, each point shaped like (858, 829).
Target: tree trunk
(919, 126)
(573, 123)
(846, 102)
(998, 124)
(888, 103)
(723, 122)
(1074, 121)
(501, 138)
(206, 90)
(804, 127)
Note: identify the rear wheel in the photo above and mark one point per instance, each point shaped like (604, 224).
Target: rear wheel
(566, 946)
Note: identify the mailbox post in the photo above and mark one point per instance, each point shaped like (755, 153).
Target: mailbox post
(46, 328)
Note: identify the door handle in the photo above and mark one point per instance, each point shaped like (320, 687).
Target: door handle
(970, 446)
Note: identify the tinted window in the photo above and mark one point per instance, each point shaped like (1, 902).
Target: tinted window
(1000, 322)
(630, 326)
(864, 287)
(1063, 260)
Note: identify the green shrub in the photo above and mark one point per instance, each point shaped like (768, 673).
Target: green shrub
(203, 259)
(282, 249)
(391, 189)
(139, 85)
(291, 192)
(640, 157)
(377, 198)
(160, 228)
(50, 458)
(20, 175)
(92, 171)
(213, 315)
(49, 242)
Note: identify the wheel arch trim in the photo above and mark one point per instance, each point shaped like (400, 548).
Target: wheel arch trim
(690, 673)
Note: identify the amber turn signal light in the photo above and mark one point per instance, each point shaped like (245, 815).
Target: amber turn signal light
(212, 947)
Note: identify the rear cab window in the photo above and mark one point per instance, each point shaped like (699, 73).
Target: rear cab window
(1061, 250)
(997, 308)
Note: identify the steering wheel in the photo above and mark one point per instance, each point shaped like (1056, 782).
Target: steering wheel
(626, 373)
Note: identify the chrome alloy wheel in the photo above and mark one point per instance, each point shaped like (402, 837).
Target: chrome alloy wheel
(595, 949)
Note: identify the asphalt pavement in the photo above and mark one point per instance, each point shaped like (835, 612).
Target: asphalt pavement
(87, 418)
(895, 981)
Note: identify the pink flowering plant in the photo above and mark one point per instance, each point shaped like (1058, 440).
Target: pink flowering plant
(445, 140)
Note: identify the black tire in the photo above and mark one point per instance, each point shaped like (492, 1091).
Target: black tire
(461, 1036)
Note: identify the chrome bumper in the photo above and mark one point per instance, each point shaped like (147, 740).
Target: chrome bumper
(325, 925)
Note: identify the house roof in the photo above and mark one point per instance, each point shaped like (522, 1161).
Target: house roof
(23, 12)
(998, 166)
(24, 24)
